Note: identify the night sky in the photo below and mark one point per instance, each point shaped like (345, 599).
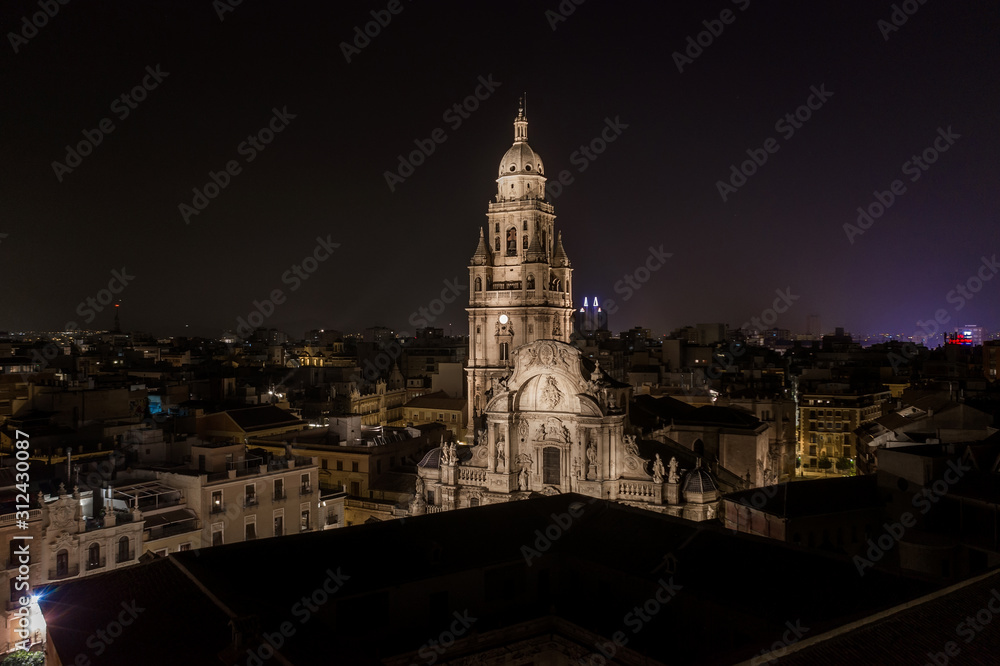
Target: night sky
(656, 184)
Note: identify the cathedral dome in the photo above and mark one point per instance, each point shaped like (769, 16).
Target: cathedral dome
(699, 480)
(521, 159)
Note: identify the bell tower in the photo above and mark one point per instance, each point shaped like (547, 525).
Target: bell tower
(519, 277)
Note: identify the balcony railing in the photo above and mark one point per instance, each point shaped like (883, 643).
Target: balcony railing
(305, 490)
(279, 497)
(55, 574)
(163, 531)
(95, 564)
(250, 501)
(125, 557)
(218, 508)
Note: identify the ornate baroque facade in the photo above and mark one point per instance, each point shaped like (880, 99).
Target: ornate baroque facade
(542, 418)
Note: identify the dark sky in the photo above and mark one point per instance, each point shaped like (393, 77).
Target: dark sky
(656, 184)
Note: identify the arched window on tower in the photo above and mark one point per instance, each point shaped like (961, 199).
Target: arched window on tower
(512, 242)
(496, 228)
(524, 227)
(524, 241)
(531, 280)
(496, 244)
(479, 284)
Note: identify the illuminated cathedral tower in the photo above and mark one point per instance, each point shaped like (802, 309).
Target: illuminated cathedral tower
(520, 276)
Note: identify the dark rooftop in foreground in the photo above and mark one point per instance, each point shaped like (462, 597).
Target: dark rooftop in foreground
(812, 497)
(398, 584)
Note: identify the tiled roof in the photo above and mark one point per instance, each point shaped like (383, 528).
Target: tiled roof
(910, 633)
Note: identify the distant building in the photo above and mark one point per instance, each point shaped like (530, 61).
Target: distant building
(991, 359)
(440, 408)
(972, 332)
(591, 321)
(827, 422)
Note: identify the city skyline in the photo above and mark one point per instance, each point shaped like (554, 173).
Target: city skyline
(310, 132)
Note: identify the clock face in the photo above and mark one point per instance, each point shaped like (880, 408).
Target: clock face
(504, 319)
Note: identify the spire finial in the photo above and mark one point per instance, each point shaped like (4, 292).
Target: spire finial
(520, 123)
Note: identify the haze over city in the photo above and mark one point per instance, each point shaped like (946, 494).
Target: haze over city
(831, 106)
